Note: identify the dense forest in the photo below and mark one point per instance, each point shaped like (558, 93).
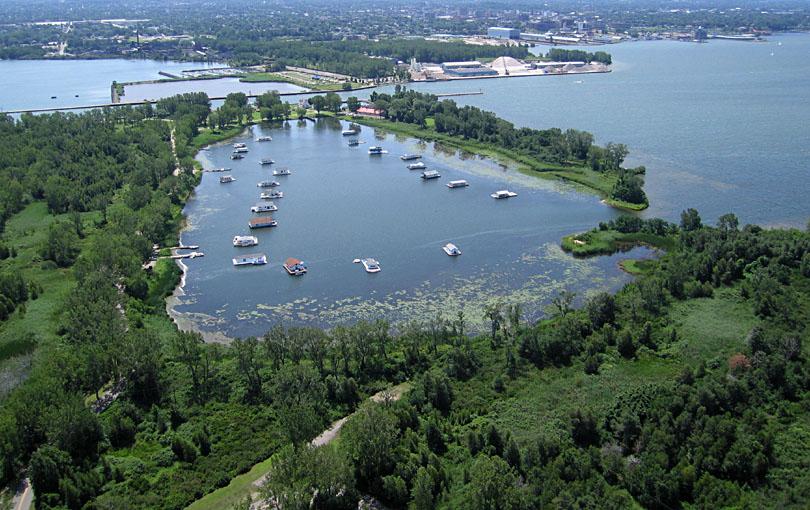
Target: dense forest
(552, 146)
(567, 55)
(688, 387)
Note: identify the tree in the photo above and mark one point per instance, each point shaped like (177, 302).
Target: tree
(61, 245)
(370, 437)
(249, 364)
(352, 103)
(601, 308)
(493, 312)
(318, 102)
(422, 491)
(493, 486)
(690, 220)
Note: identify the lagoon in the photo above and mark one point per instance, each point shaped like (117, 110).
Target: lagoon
(341, 204)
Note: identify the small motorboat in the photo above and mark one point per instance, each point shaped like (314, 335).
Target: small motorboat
(239, 145)
(350, 132)
(245, 241)
(295, 267)
(264, 139)
(504, 193)
(451, 250)
(282, 171)
(430, 174)
(417, 166)
(266, 161)
(225, 179)
(237, 156)
(354, 143)
(410, 157)
(268, 184)
(371, 265)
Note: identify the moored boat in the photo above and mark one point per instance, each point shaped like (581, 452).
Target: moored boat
(410, 157)
(241, 150)
(282, 171)
(266, 161)
(245, 241)
(350, 132)
(458, 184)
(264, 222)
(371, 265)
(504, 193)
(354, 143)
(295, 267)
(265, 207)
(376, 150)
(430, 174)
(268, 184)
(264, 139)
(253, 259)
(225, 179)
(451, 250)
(239, 145)
(237, 156)
(417, 166)
(270, 195)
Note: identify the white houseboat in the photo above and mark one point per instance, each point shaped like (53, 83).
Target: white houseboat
(226, 179)
(266, 161)
(253, 259)
(245, 241)
(270, 195)
(282, 171)
(376, 150)
(451, 250)
(458, 184)
(264, 139)
(265, 207)
(410, 157)
(417, 166)
(430, 174)
(371, 265)
(267, 184)
(504, 193)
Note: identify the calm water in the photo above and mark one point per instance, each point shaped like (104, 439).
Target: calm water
(722, 127)
(31, 83)
(220, 87)
(341, 204)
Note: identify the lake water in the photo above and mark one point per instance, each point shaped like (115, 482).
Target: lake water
(341, 204)
(722, 127)
(219, 87)
(31, 83)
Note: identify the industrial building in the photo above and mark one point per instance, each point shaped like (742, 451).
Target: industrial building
(467, 69)
(503, 33)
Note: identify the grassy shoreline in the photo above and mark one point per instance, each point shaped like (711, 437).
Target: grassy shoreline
(581, 176)
(608, 242)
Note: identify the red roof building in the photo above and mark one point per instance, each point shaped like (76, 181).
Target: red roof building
(369, 111)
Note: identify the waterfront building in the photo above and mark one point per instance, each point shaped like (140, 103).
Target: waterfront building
(467, 69)
(503, 33)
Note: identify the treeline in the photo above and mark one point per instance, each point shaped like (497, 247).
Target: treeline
(553, 146)
(428, 51)
(566, 55)
(708, 437)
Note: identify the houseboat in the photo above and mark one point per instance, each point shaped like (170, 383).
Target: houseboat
(245, 241)
(270, 195)
(219, 170)
(253, 259)
(268, 184)
(282, 171)
(295, 267)
(410, 157)
(265, 207)
(239, 145)
(237, 156)
(266, 161)
(451, 250)
(354, 143)
(371, 265)
(417, 166)
(225, 179)
(503, 194)
(264, 222)
(264, 139)
(241, 150)
(376, 150)
(430, 174)
(350, 132)
(458, 184)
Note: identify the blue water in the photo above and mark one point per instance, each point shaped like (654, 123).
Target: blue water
(341, 204)
(722, 127)
(29, 84)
